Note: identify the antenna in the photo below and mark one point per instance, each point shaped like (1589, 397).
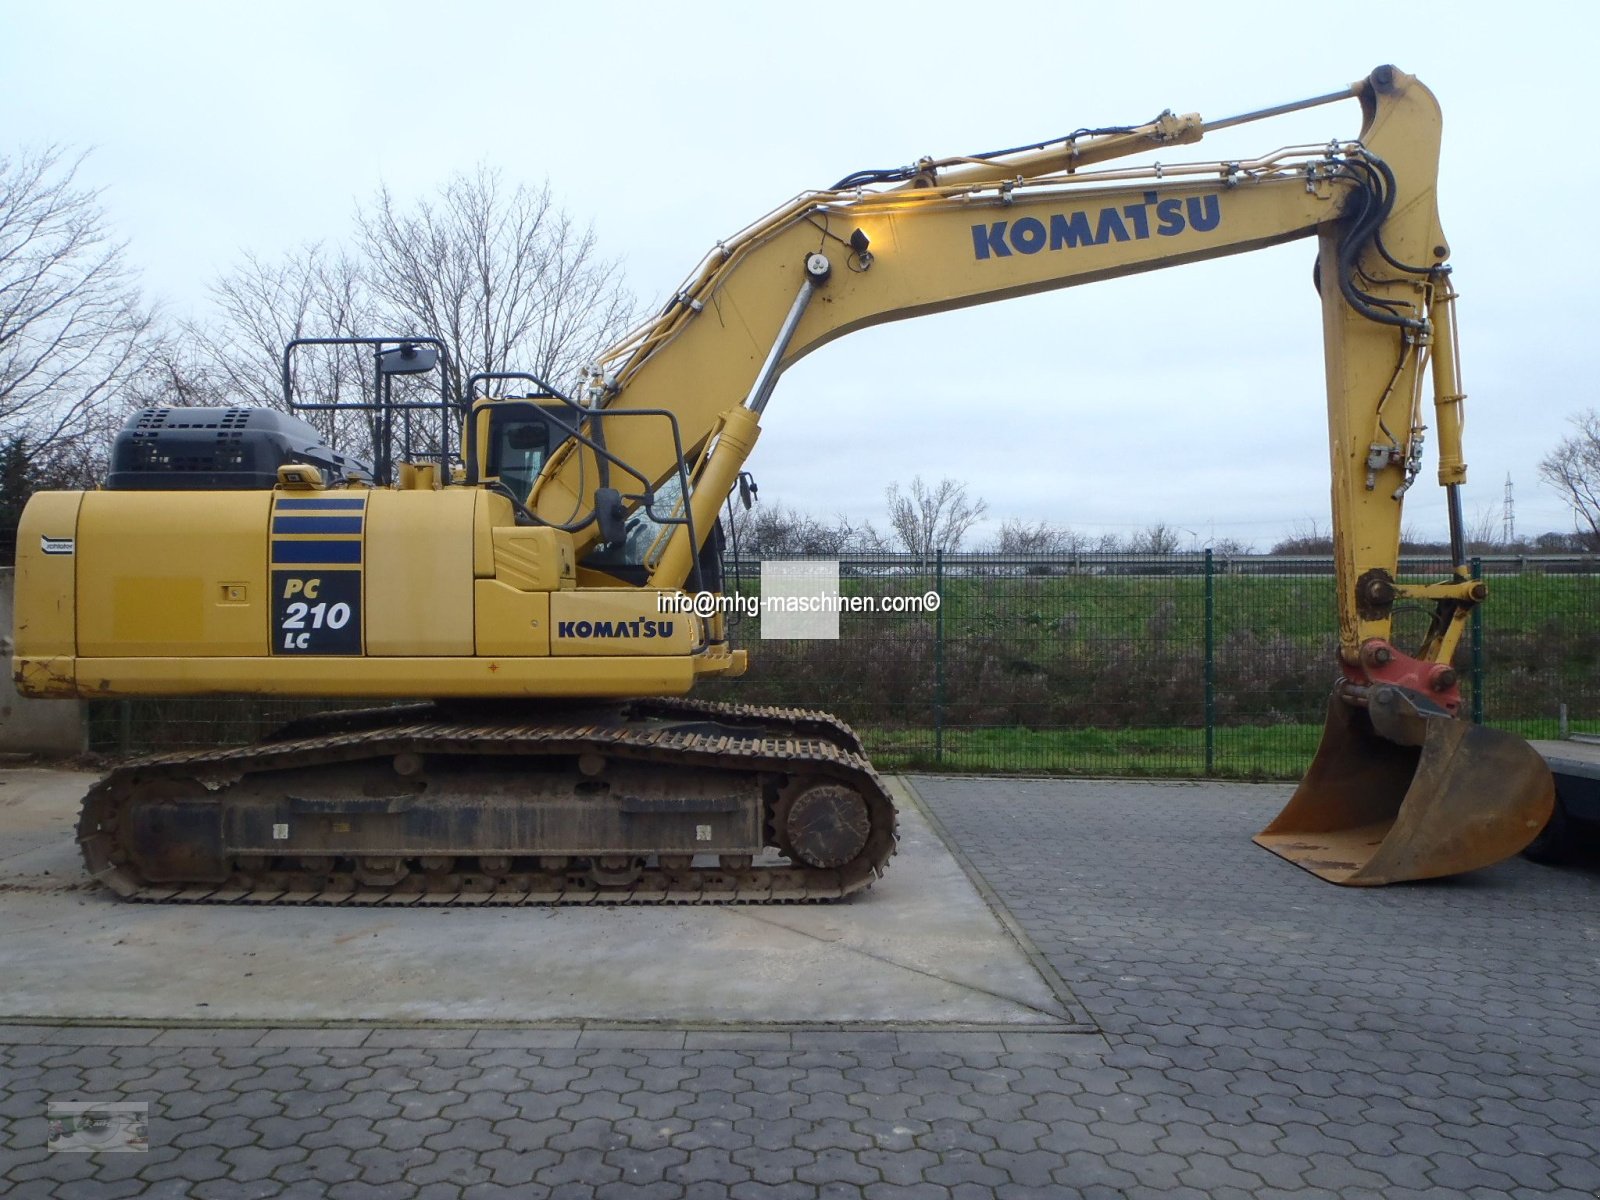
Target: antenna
(1508, 518)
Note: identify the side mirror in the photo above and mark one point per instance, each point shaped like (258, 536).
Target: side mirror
(611, 515)
(408, 358)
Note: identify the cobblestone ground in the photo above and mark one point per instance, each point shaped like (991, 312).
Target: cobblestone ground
(1264, 1034)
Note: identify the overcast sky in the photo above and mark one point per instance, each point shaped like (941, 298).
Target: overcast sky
(1191, 396)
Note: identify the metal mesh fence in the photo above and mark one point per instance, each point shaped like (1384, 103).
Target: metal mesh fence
(1184, 665)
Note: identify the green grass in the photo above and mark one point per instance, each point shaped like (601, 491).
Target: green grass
(1100, 608)
(1115, 607)
(1265, 752)
(1241, 752)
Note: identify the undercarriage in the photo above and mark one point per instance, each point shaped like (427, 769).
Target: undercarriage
(646, 801)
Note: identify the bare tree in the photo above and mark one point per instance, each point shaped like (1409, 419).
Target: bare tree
(775, 530)
(932, 520)
(1230, 547)
(1038, 537)
(73, 326)
(265, 305)
(1573, 469)
(504, 276)
(1559, 543)
(1485, 531)
(181, 375)
(1308, 537)
(1159, 538)
(260, 307)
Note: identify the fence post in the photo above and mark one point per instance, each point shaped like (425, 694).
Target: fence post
(1211, 665)
(938, 660)
(1477, 650)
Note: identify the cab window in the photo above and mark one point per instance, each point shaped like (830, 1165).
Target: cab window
(519, 443)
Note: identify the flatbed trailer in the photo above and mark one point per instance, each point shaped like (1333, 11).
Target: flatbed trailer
(1574, 828)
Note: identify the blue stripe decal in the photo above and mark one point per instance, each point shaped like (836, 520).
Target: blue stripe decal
(316, 524)
(316, 552)
(330, 502)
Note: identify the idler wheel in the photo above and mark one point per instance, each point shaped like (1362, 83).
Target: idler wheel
(824, 824)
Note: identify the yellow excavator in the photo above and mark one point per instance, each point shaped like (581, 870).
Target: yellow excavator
(532, 587)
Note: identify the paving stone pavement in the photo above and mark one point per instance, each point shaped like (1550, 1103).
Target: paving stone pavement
(1263, 1034)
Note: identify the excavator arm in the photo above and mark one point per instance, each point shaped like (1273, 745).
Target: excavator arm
(940, 236)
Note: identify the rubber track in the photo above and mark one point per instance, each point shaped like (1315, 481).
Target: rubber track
(811, 722)
(793, 742)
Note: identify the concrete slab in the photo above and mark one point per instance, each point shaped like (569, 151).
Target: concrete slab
(525, 1039)
(751, 1041)
(920, 948)
(201, 1036)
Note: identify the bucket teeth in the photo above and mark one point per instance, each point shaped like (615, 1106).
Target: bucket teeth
(1401, 790)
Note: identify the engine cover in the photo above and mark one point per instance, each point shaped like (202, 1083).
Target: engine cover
(170, 449)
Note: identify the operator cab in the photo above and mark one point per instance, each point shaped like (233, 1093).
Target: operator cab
(510, 438)
(521, 438)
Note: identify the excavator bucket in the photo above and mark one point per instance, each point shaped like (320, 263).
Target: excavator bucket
(1402, 790)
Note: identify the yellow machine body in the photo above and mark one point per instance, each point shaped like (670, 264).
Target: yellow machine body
(370, 592)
